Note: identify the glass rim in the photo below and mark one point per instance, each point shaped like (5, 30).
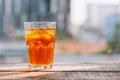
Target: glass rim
(39, 22)
(39, 25)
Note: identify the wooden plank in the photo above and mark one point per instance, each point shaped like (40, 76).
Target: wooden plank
(65, 67)
(63, 71)
(63, 75)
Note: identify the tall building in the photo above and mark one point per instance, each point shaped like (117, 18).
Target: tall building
(1, 17)
(13, 14)
(101, 14)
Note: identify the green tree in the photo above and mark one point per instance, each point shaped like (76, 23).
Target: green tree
(114, 45)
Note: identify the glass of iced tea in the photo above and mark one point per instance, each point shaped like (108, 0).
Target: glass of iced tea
(40, 39)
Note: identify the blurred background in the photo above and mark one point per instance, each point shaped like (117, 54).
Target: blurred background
(87, 30)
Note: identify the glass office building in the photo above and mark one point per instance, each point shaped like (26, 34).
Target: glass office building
(13, 14)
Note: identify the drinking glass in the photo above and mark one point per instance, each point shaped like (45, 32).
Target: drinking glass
(40, 40)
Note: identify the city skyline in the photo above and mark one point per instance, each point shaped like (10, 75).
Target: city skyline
(14, 13)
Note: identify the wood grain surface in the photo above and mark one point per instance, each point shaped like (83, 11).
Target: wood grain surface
(63, 71)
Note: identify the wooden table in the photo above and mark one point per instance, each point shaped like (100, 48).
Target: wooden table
(63, 71)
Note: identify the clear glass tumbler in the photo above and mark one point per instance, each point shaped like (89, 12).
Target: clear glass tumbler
(40, 40)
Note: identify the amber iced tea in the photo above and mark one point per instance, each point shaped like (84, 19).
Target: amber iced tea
(40, 46)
